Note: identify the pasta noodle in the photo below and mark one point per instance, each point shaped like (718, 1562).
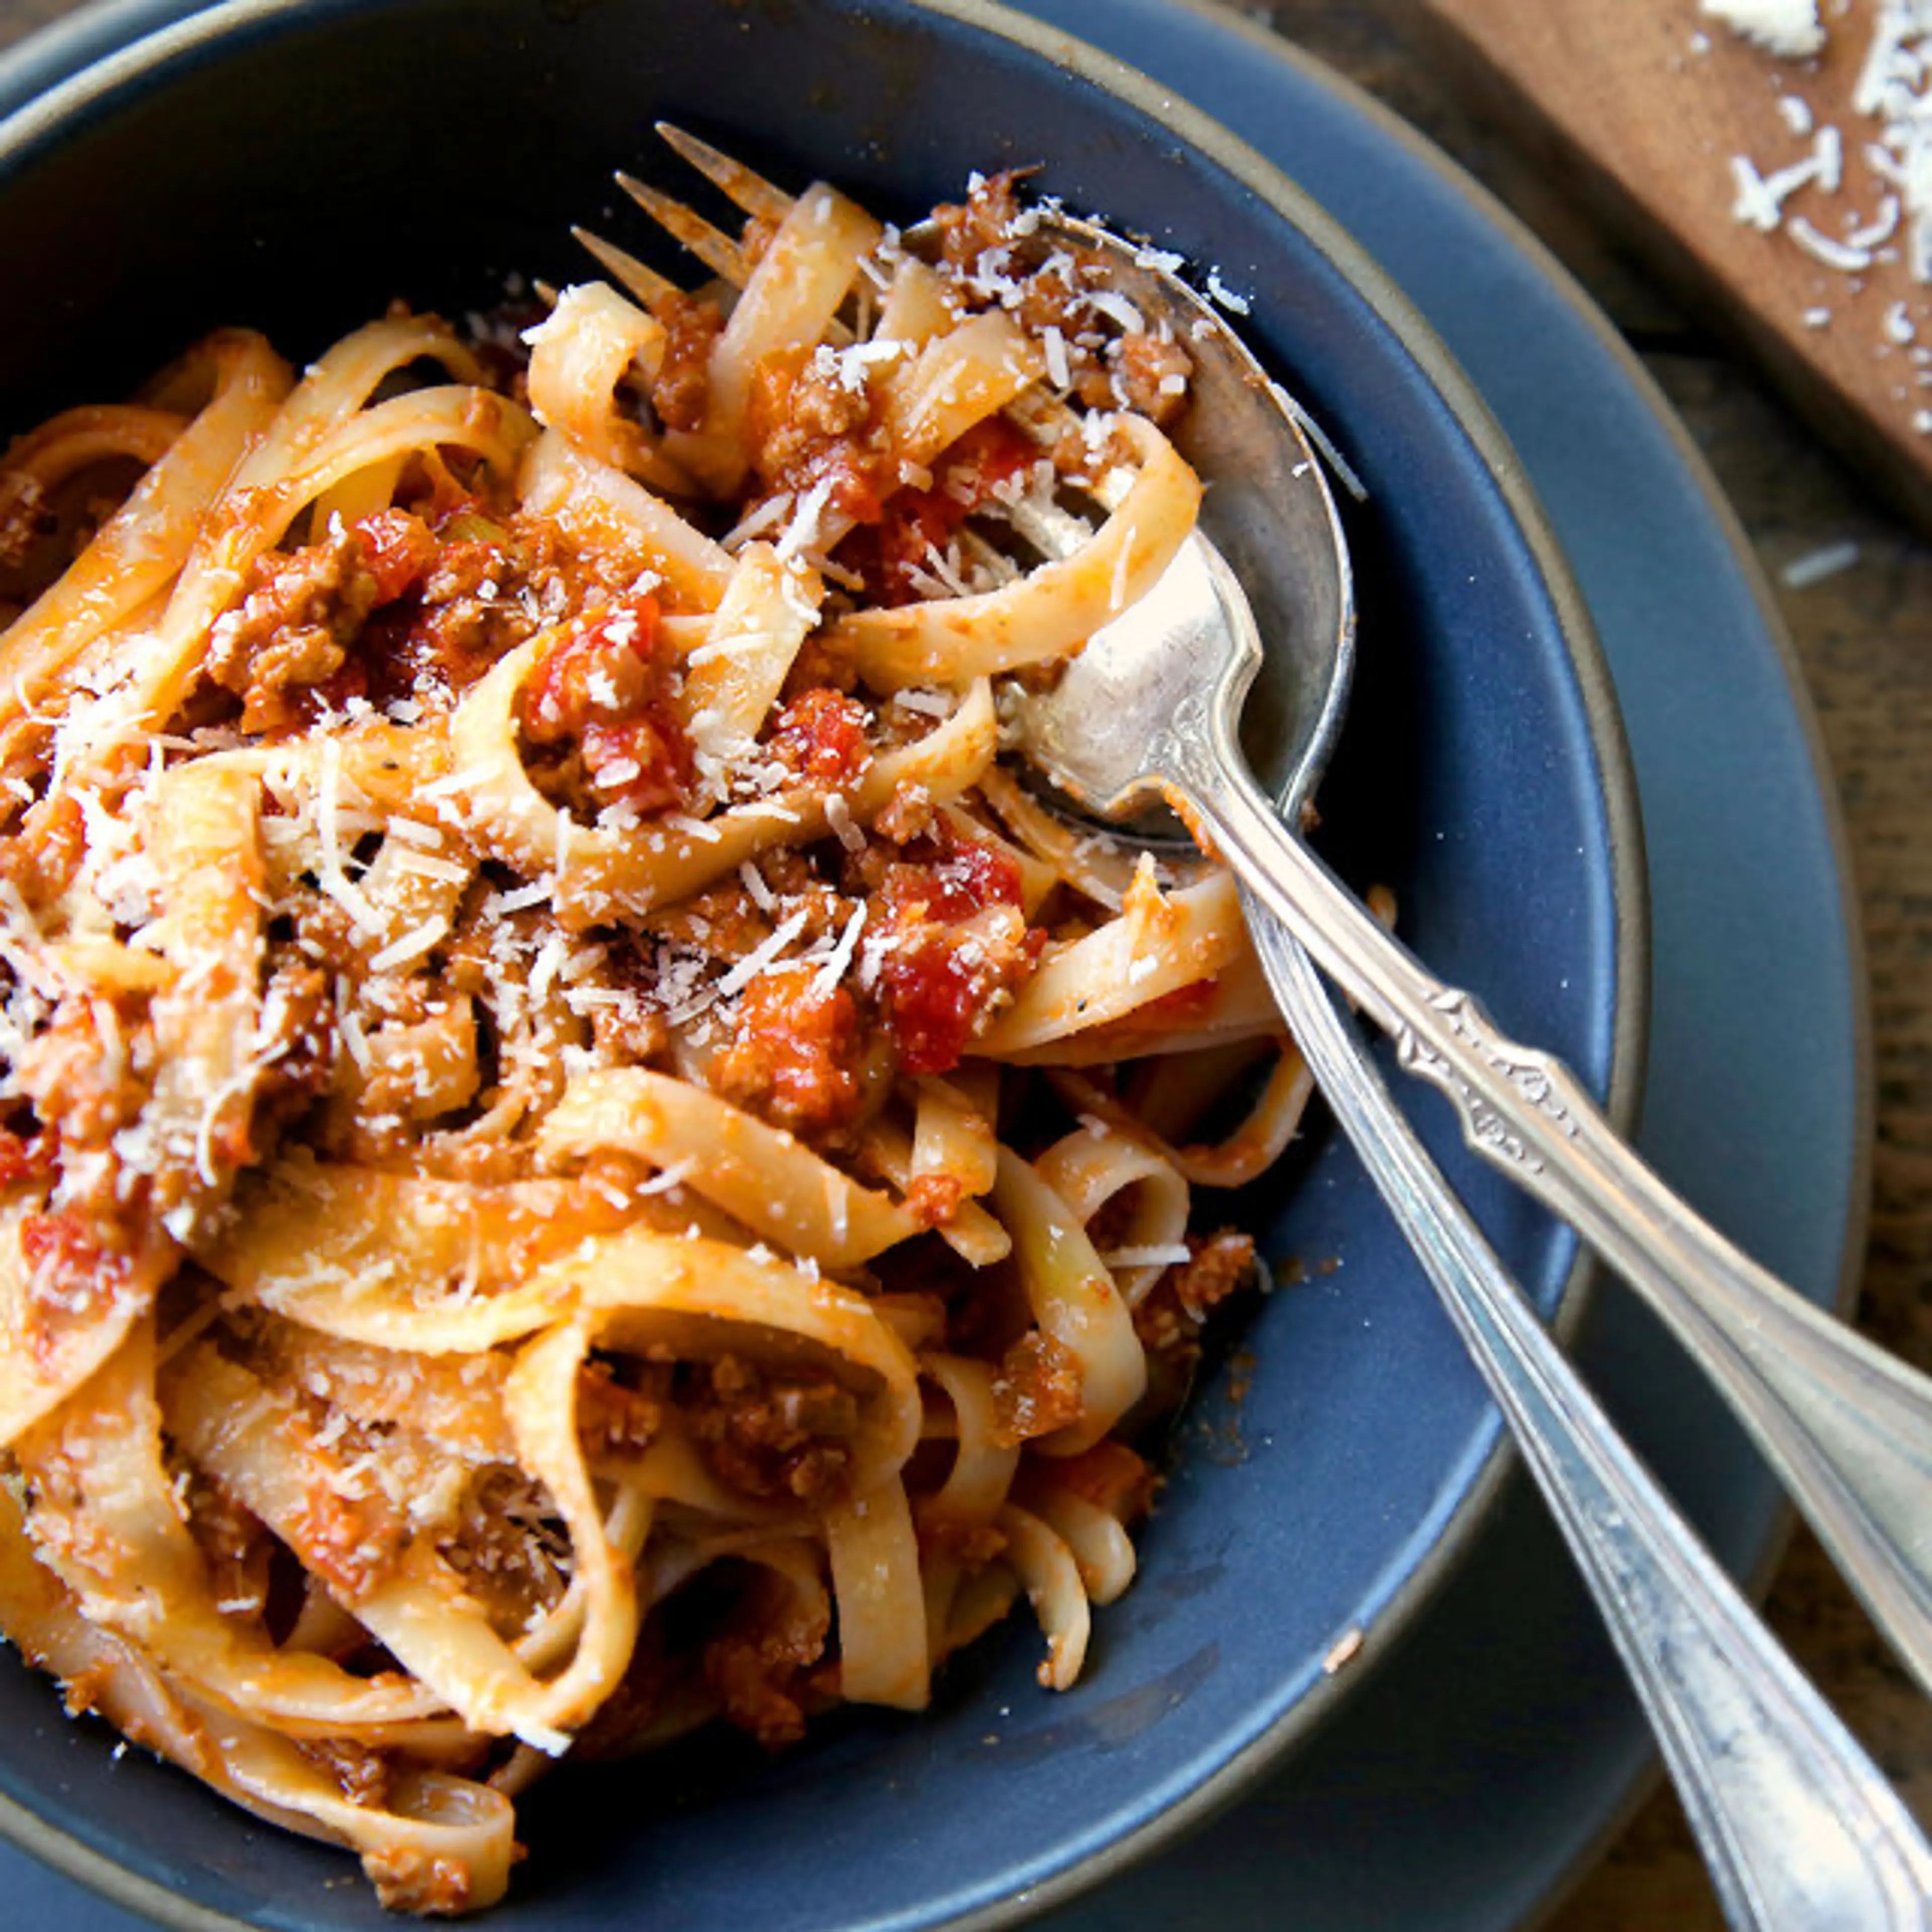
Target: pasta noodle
(577, 1156)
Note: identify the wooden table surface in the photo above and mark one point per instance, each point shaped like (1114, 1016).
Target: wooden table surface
(1863, 635)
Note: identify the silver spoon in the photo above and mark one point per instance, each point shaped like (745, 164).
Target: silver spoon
(1801, 1832)
(1847, 1427)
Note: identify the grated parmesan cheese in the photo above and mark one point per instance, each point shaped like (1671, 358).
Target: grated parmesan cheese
(838, 816)
(833, 970)
(763, 957)
(1789, 28)
(454, 783)
(932, 704)
(500, 905)
(753, 880)
(412, 945)
(1325, 447)
(354, 1038)
(427, 865)
(1845, 255)
(1059, 371)
(1117, 308)
(330, 873)
(664, 1179)
(767, 516)
(801, 532)
(1887, 193)
(1814, 566)
(1170, 1254)
(1229, 299)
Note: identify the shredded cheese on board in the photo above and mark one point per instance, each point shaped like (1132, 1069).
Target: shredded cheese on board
(1857, 202)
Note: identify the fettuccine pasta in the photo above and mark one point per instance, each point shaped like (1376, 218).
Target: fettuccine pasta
(578, 1157)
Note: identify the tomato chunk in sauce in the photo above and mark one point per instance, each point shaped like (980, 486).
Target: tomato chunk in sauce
(821, 734)
(76, 1270)
(24, 1159)
(895, 556)
(959, 942)
(397, 550)
(604, 688)
(795, 1054)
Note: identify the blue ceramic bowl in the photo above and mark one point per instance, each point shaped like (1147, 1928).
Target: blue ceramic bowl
(292, 168)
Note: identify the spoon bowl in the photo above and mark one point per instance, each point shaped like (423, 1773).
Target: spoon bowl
(1270, 560)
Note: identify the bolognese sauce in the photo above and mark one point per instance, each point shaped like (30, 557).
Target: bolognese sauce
(577, 1161)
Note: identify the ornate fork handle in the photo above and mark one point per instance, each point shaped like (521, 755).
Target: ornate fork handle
(1799, 1830)
(1847, 1427)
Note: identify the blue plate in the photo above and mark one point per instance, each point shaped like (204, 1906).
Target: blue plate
(1460, 1783)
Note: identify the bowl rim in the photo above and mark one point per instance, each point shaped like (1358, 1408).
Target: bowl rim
(85, 58)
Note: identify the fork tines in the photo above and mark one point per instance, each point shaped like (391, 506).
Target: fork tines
(712, 247)
(720, 253)
(751, 192)
(649, 287)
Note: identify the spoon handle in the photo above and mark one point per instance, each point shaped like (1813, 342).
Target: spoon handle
(1847, 1426)
(1799, 1829)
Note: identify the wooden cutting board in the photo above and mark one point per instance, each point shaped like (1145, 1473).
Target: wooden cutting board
(1654, 109)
